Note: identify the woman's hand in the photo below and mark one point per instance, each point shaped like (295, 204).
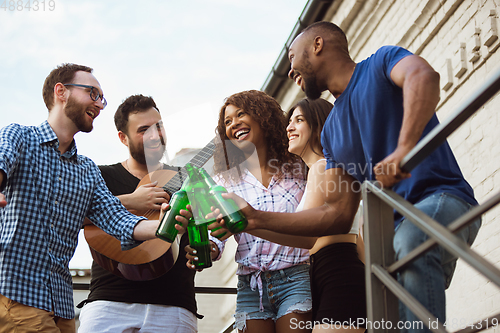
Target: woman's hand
(191, 255)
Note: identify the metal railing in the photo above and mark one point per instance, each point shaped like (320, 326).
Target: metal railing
(383, 290)
(197, 290)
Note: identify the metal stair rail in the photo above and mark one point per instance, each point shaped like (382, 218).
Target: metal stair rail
(382, 288)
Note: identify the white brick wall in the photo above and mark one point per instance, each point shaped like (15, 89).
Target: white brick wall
(436, 30)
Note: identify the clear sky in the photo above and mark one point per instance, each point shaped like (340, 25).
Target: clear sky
(187, 55)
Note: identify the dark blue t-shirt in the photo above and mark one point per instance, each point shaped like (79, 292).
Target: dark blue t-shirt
(363, 128)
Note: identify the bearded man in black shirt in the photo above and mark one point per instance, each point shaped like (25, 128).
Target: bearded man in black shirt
(163, 304)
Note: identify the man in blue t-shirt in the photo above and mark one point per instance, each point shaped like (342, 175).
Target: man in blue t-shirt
(384, 106)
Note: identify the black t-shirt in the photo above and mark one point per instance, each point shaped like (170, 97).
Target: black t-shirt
(175, 288)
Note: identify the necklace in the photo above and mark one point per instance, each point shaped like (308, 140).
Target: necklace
(136, 175)
(141, 173)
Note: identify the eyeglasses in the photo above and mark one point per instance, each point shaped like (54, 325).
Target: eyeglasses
(94, 92)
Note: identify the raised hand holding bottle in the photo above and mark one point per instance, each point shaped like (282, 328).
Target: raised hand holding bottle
(199, 241)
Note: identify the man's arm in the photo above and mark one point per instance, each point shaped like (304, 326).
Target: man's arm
(420, 84)
(3, 202)
(283, 239)
(314, 196)
(146, 229)
(335, 216)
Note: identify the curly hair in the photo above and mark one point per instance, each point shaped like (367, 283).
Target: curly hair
(315, 113)
(64, 73)
(132, 104)
(268, 113)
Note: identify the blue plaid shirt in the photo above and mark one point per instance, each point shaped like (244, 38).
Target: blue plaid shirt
(48, 196)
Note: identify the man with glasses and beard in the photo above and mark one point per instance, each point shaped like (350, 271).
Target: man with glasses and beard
(166, 303)
(47, 190)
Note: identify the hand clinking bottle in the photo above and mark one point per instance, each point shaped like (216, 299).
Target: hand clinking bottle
(201, 191)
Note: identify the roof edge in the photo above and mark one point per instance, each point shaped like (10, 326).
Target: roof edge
(313, 11)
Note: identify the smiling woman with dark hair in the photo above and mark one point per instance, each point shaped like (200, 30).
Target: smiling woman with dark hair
(337, 273)
(265, 111)
(252, 161)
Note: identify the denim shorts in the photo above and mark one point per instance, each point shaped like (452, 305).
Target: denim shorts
(283, 291)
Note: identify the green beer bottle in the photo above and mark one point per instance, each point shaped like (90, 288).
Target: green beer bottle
(166, 230)
(198, 240)
(235, 221)
(199, 197)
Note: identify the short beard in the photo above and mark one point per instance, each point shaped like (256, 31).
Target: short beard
(137, 153)
(76, 112)
(311, 88)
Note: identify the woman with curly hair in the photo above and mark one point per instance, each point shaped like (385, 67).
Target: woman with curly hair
(252, 161)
